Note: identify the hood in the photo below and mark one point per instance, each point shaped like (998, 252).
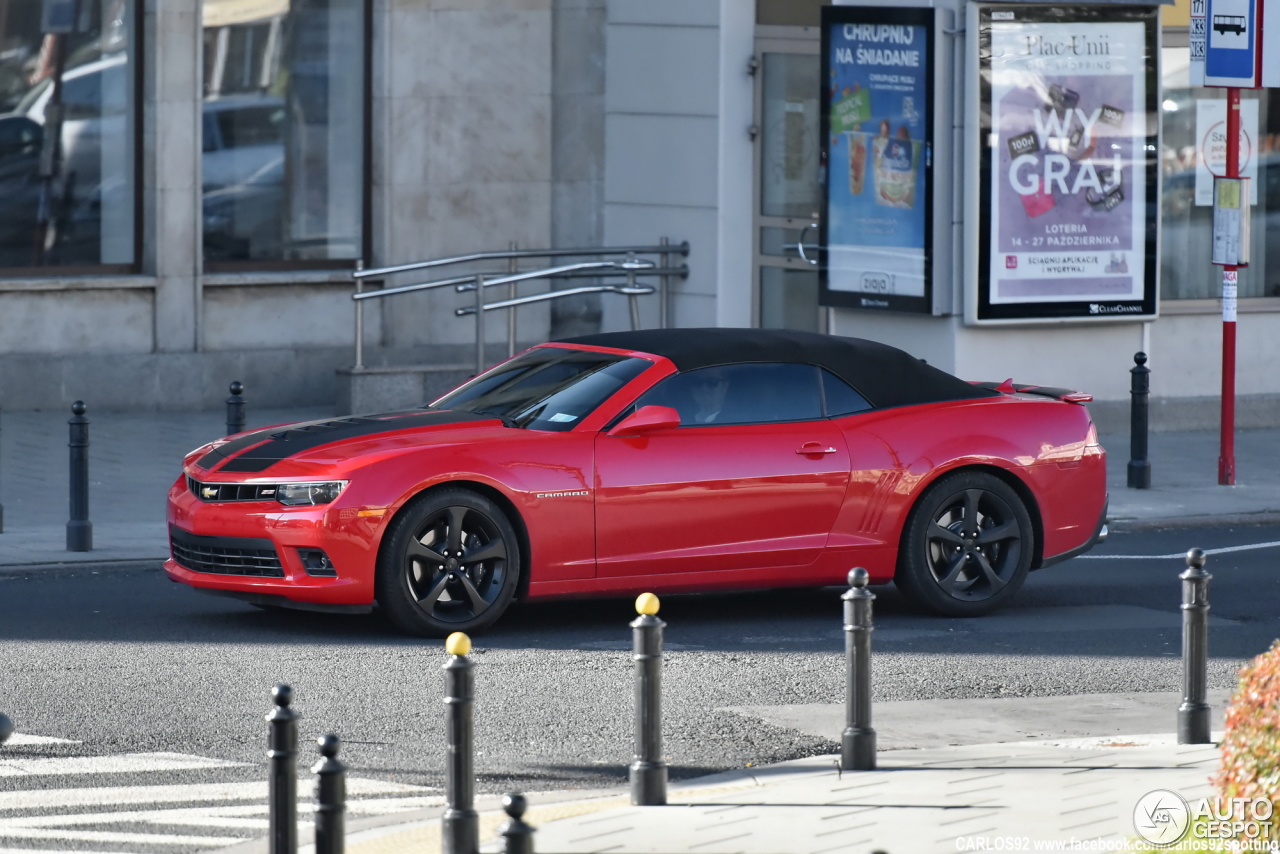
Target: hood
(258, 450)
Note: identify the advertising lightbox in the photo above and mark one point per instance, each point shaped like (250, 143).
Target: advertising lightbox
(877, 134)
(1062, 222)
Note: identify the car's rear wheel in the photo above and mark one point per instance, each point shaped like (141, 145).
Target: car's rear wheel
(967, 546)
(450, 563)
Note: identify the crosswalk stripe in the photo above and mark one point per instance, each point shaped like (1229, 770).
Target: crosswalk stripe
(129, 763)
(199, 816)
(122, 838)
(21, 739)
(387, 806)
(193, 793)
(191, 817)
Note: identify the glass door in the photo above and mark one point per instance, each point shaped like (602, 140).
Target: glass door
(788, 183)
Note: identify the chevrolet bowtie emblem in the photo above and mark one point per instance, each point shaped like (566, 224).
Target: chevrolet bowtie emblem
(209, 491)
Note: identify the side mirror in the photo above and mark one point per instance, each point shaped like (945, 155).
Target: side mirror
(647, 419)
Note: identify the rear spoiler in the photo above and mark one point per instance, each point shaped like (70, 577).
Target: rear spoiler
(1007, 387)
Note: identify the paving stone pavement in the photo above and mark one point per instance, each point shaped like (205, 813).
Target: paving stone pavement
(1028, 796)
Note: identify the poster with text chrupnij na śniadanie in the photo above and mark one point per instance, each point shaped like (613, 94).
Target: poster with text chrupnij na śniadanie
(877, 121)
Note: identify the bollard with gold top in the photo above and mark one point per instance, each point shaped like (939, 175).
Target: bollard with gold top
(460, 826)
(648, 770)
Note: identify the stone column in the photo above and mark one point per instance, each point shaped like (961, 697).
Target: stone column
(171, 173)
(577, 148)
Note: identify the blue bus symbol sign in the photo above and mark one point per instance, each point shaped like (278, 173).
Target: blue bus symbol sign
(1231, 53)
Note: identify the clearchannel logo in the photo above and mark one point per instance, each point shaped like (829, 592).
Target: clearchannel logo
(1114, 308)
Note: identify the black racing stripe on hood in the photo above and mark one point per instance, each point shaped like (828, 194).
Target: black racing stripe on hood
(274, 445)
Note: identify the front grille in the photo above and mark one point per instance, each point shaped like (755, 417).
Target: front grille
(225, 555)
(232, 491)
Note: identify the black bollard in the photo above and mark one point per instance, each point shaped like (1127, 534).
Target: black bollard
(79, 528)
(460, 826)
(1139, 410)
(1193, 714)
(235, 409)
(517, 837)
(282, 753)
(331, 797)
(6, 727)
(648, 770)
(858, 742)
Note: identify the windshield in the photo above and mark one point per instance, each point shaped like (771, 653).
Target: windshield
(546, 389)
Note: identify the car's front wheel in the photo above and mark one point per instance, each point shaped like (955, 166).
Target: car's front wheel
(967, 546)
(449, 563)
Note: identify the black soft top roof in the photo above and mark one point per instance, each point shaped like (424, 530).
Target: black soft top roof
(885, 375)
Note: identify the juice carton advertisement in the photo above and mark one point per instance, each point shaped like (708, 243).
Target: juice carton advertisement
(876, 218)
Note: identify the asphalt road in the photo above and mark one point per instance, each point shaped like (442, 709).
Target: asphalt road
(122, 661)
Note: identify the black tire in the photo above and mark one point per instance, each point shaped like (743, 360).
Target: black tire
(449, 563)
(967, 546)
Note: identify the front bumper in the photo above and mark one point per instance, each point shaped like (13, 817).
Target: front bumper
(252, 529)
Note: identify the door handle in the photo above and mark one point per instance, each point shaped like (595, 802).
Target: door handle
(814, 448)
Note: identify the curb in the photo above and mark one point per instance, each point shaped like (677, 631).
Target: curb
(1261, 517)
(107, 564)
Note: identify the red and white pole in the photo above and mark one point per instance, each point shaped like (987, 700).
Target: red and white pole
(1227, 442)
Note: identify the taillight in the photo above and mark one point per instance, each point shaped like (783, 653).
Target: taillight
(1091, 438)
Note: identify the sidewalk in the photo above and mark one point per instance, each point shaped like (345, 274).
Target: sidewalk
(1184, 480)
(134, 457)
(1029, 794)
(951, 773)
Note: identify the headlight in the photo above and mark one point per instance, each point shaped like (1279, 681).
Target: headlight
(310, 493)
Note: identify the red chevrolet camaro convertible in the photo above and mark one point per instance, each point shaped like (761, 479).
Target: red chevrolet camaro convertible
(667, 460)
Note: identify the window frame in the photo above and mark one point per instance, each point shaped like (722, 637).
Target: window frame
(366, 179)
(138, 59)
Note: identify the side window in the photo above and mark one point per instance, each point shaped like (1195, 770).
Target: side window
(740, 394)
(840, 397)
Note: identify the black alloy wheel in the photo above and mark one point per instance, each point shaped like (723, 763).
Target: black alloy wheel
(449, 563)
(967, 546)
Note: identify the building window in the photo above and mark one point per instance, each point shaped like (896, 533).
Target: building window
(68, 136)
(1192, 149)
(284, 133)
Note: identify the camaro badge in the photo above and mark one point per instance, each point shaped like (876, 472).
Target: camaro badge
(563, 494)
(209, 491)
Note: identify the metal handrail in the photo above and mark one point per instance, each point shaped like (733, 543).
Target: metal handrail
(638, 290)
(550, 272)
(630, 291)
(662, 249)
(682, 271)
(630, 266)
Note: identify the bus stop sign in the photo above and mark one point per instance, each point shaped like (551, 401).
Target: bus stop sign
(1243, 44)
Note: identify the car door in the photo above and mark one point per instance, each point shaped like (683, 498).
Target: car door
(754, 476)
